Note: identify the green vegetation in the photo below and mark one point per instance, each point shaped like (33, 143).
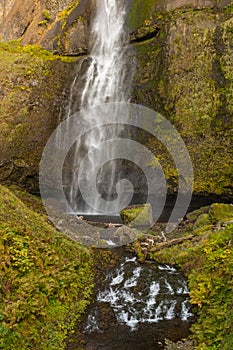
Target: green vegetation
(36, 51)
(208, 263)
(46, 18)
(32, 80)
(46, 14)
(46, 279)
(66, 12)
(140, 215)
(229, 9)
(185, 74)
(140, 11)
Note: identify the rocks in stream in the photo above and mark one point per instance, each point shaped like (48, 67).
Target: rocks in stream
(141, 248)
(90, 233)
(138, 306)
(138, 215)
(180, 345)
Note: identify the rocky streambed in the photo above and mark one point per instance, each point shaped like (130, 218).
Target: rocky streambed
(141, 304)
(136, 306)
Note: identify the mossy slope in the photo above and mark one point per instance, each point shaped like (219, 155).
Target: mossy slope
(208, 263)
(46, 279)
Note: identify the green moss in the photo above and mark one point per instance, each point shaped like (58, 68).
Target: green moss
(140, 11)
(32, 82)
(137, 215)
(43, 23)
(229, 9)
(138, 251)
(194, 214)
(221, 212)
(66, 12)
(46, 15)
(185, 74)
(202, 220)
(46, 279)
(208, 264)
(36, 51)
(206, 228)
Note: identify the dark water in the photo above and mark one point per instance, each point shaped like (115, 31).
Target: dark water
(136, 307)
(114, 219)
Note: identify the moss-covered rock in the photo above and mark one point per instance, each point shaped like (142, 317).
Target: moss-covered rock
(221, 212)
(46, 279)
(184, 73)
(205, 218)
(137, 215)
(202, 220)
(58, 26)
(34, 92)
(207, 261)
(139, 251)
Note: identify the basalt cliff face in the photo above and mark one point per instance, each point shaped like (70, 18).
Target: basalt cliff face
(184, 52)
(58, 26)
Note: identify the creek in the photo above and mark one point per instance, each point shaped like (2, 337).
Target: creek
(137, 306)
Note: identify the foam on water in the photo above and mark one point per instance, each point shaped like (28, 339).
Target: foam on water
(164, 295)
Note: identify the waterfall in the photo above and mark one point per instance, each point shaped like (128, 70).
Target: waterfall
(141, 295)
(107, 79)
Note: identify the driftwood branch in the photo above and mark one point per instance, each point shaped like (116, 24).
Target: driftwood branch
(170, 243)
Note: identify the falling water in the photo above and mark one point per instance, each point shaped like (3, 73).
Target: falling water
(164, 297)
(137, 306)
(107, 79)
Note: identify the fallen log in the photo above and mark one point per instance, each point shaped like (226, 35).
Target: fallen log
(170, 243)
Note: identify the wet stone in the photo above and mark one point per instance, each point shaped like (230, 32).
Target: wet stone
(137, 306)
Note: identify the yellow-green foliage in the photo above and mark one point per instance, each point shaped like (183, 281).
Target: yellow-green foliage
(46, 14)
(137, 215)
(140, 11)
(46, 279)
(38, 53)
(66, 12)
(208, 265)
(221, 212)
(185, 73)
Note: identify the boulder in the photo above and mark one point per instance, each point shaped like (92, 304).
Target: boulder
(221, 213)
(124, 235)
(138, 215)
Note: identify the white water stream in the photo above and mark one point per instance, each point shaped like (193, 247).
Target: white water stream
(139, 295)
(107, 79)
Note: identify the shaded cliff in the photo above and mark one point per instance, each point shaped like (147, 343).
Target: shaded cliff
(184, 71)
(184, 54)
(34, 91)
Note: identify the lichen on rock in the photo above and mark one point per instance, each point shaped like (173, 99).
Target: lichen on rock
(34, 91)
(184, 73)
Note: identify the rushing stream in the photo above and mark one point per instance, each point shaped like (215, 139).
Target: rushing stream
(137, 306)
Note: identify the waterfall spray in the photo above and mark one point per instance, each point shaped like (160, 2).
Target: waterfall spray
(107, 79)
